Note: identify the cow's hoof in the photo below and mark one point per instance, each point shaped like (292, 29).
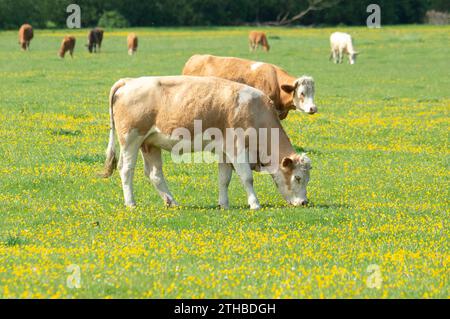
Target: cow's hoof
(170, 202)
(131, 205)
(255, 207)
(224, 206)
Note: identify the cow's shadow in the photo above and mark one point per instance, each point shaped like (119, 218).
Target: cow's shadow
(268, 206)
(306, 150)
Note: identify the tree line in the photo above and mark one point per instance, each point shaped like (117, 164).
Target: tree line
(52, 13)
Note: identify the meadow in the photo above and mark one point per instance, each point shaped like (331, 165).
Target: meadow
(379, 188)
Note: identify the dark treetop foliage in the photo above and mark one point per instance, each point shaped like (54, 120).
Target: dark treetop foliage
(47, 13)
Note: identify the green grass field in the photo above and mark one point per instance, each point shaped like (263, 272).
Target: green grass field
(379, 189)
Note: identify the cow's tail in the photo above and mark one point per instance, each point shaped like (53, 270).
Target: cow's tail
(111, 160)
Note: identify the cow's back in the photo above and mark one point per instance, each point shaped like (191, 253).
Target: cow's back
(262, 76)
(25, 33)
(340, 39)
(256, 36)
(95, 36)
(69, 42)
(168, 103)
(132, 40)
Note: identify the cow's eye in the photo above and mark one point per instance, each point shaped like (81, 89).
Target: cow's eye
(298, 179)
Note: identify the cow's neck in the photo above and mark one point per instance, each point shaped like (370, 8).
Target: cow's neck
(286, 98)
(284, 145)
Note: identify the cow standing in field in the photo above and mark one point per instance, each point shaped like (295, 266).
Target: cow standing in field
(287, 92)
(67, 45)
(132, 43)
(342, 43)
(25, 36)
(257, 39)
(95, 38)
(146, 112)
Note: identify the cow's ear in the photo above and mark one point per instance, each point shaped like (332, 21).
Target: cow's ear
(288, 88)
(287, 163)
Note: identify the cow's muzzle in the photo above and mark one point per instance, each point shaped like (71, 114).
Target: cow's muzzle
(311, 109)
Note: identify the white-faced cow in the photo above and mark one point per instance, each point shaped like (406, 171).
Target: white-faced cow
(256, 39)
(287, 92)
(95, 38)
(67, 45)
(25, 36)
(132, 41)
(146, 112)
(342, 43)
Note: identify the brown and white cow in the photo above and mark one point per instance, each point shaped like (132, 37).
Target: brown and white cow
(95, 38)
(132, 43)
(256, 39)
(287, 93)
(146, 112)
(25, 36)
(67, 45)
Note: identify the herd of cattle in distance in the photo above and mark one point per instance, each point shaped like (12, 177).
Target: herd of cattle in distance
(341, 43)
(222, 93)
(95, 38)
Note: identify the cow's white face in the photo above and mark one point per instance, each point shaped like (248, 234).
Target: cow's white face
(303, 92)
(352, 57)
(292, 178)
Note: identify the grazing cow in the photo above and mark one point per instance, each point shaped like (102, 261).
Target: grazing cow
(68, 44)
(95, 38)
(257, 39)
(132, 43)
(147, 111)
(342, 43)
(25, 36)
(287, 93)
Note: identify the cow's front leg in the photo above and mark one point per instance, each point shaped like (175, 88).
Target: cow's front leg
(153, 170)
(245, 173)
(225, 173)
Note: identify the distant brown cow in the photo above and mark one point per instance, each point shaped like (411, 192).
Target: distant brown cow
(257, 39)
(68, 44)
(95, 39)
(25, 36)
(132, 43)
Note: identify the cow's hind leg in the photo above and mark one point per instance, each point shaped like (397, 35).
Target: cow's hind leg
(334, 56)
(153, 170)
(128, 158)
(225, 173)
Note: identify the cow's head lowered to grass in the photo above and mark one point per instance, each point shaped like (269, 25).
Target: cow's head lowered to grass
(292, 179)
(352, 57)
(302, 91)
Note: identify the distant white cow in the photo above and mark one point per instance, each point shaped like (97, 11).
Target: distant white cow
(342, 43)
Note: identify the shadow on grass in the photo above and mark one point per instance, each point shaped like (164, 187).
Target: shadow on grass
(267, 206)
(306, 150)
(328, 206)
